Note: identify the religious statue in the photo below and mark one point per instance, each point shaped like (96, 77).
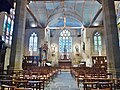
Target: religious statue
(43, 54)
(53, 48)
(77, 48)
(65, 48)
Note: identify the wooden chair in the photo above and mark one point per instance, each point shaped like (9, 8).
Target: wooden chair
(117, 85)
(102, 89)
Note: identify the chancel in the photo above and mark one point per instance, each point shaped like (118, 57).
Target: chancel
(59, 44)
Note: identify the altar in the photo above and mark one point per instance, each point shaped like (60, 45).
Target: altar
(65, 62)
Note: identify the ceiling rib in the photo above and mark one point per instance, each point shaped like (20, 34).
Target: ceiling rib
(91, 13)
(33, 16)
(46, 10)
(37, 11)
(67, 14)
(56, 12)
(62, 28)
(93, 20)
(99, 1)
(83, 6)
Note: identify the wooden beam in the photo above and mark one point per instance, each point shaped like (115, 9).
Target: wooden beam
(101, 1)
(63, 28)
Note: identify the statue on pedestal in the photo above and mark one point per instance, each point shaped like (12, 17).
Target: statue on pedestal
(43, 54)
(65, 52)
(77, 48)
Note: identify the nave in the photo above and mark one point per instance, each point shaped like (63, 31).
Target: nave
(64, 81)
(38, 38)
(55, 78)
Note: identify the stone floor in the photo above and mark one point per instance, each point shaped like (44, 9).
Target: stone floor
(64, 81)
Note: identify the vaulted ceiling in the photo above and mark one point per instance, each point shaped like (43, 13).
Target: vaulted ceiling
(69, 13)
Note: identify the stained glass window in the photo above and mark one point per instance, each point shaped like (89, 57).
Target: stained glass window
(33, 41)
(65, 41)
(8, 28)
(97, 41)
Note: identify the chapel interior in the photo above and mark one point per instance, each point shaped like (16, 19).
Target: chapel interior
(59, 44)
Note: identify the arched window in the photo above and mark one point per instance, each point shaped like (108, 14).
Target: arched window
(65, 41)
(8, 27)
(33, 41)
(97, 41)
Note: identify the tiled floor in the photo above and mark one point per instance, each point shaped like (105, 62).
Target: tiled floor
(64, 81)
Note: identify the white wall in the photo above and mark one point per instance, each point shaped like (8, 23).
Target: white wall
(75, 41)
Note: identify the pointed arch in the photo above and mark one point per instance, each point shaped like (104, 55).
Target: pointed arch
(65, 41)
(8, 28)
(33, 42)
(97, 41)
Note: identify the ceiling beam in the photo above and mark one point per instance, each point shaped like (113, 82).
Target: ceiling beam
(63, 28)
(33, 16)
(96, 16)
(62, 0)
(100, 1)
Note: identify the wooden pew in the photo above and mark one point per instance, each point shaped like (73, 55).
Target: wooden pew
(8, 87)
(42, 75)
(23, 88)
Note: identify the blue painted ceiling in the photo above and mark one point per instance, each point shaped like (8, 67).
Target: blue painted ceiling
(77, 12)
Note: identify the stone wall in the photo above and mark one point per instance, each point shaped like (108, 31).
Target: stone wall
(89, 41)
(40, 33)
(75, 56)
(87, 50)
(86, 37)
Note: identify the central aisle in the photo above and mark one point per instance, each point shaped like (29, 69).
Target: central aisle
(64, 81)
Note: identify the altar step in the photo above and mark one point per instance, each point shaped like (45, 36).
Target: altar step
(65, 70)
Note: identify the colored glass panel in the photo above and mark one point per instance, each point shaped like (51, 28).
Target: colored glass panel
(65, 41)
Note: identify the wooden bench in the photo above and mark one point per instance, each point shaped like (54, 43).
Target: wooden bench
(3, 87)
(102, 89)
(23, 89)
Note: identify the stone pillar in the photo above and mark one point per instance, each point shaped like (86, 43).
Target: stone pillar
(111, 37)
(18, 35)
(46, 35)
(2, 15)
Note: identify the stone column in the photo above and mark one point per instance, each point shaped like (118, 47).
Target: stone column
(111, 37)
(18, 35)
(46, 35)
(2, 15)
